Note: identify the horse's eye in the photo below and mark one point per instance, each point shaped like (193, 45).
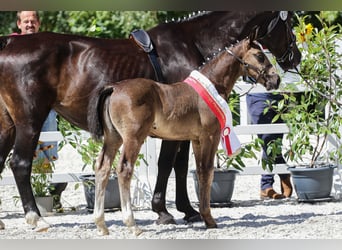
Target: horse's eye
(260, 57)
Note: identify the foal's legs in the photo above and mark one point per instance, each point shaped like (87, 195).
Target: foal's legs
(125, 168)
(205, 174)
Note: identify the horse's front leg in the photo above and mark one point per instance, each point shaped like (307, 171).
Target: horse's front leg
(21, 164)
(167, 155)
(181, 171)
(205, 174)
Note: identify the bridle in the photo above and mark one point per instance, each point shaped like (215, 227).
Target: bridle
(246, 66)
(282, 17)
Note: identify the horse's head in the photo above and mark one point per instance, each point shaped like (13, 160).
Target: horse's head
(257, 66)
(278, 37)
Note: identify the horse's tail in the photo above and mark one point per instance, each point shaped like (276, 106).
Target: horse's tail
(96, 110)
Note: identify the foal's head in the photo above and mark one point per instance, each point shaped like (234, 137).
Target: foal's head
(254, 64)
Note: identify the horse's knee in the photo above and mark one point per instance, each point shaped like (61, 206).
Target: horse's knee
(20, 166)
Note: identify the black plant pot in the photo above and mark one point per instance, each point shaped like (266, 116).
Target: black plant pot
(312, 184)
(222, 187)
(112, 194)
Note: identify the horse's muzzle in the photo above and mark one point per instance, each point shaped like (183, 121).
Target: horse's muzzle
(273, 82)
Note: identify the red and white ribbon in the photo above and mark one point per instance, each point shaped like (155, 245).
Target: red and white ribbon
(203, 86)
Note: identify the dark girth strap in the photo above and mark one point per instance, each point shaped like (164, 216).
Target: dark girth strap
(142, 39)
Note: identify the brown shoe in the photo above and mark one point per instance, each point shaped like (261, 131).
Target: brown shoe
(286, 187)
(269, 193)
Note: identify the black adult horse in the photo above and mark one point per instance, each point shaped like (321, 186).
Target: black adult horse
(46, 70)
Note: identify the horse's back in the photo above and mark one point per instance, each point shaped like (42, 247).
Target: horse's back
(70, 69)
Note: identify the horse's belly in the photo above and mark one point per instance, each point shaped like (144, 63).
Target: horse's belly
(176, 130)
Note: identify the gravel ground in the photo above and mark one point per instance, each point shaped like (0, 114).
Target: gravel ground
(247, 218)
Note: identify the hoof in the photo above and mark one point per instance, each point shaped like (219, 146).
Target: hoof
(211, 226)
(136, 230)
(42, 225)
(193, 218)
(102, 231)
(2, 225)
(165, 220)
(32, 218)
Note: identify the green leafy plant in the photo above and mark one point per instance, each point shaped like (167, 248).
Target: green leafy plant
(314, 117)
(248, 150)
(42, 169)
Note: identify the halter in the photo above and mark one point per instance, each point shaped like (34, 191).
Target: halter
(246, 66)
(288, 54)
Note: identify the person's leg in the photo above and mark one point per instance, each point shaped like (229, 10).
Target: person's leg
(266, 188)
(285, 184)
(256, 105)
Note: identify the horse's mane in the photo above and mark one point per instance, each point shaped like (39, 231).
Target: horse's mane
(188, 17)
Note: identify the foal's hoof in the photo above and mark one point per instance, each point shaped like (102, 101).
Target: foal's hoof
(2, 225)
(211, 225)
(136, 230)
(102, 231)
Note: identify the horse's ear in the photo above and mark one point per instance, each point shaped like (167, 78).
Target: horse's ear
(253, 34)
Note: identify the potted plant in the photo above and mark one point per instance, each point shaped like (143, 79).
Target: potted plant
(42, 169)
(315, 116)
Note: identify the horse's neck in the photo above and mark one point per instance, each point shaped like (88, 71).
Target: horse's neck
(224, 70)
(217, 30)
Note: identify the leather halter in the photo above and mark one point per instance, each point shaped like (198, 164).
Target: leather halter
(246, 66)
(282, 17)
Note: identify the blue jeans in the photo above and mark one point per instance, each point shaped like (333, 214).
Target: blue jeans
(256, 103)
(50, 124)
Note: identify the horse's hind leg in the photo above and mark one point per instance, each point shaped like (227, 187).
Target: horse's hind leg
(7, 136)
(102, 173)
(124, 171)
(181, 170)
